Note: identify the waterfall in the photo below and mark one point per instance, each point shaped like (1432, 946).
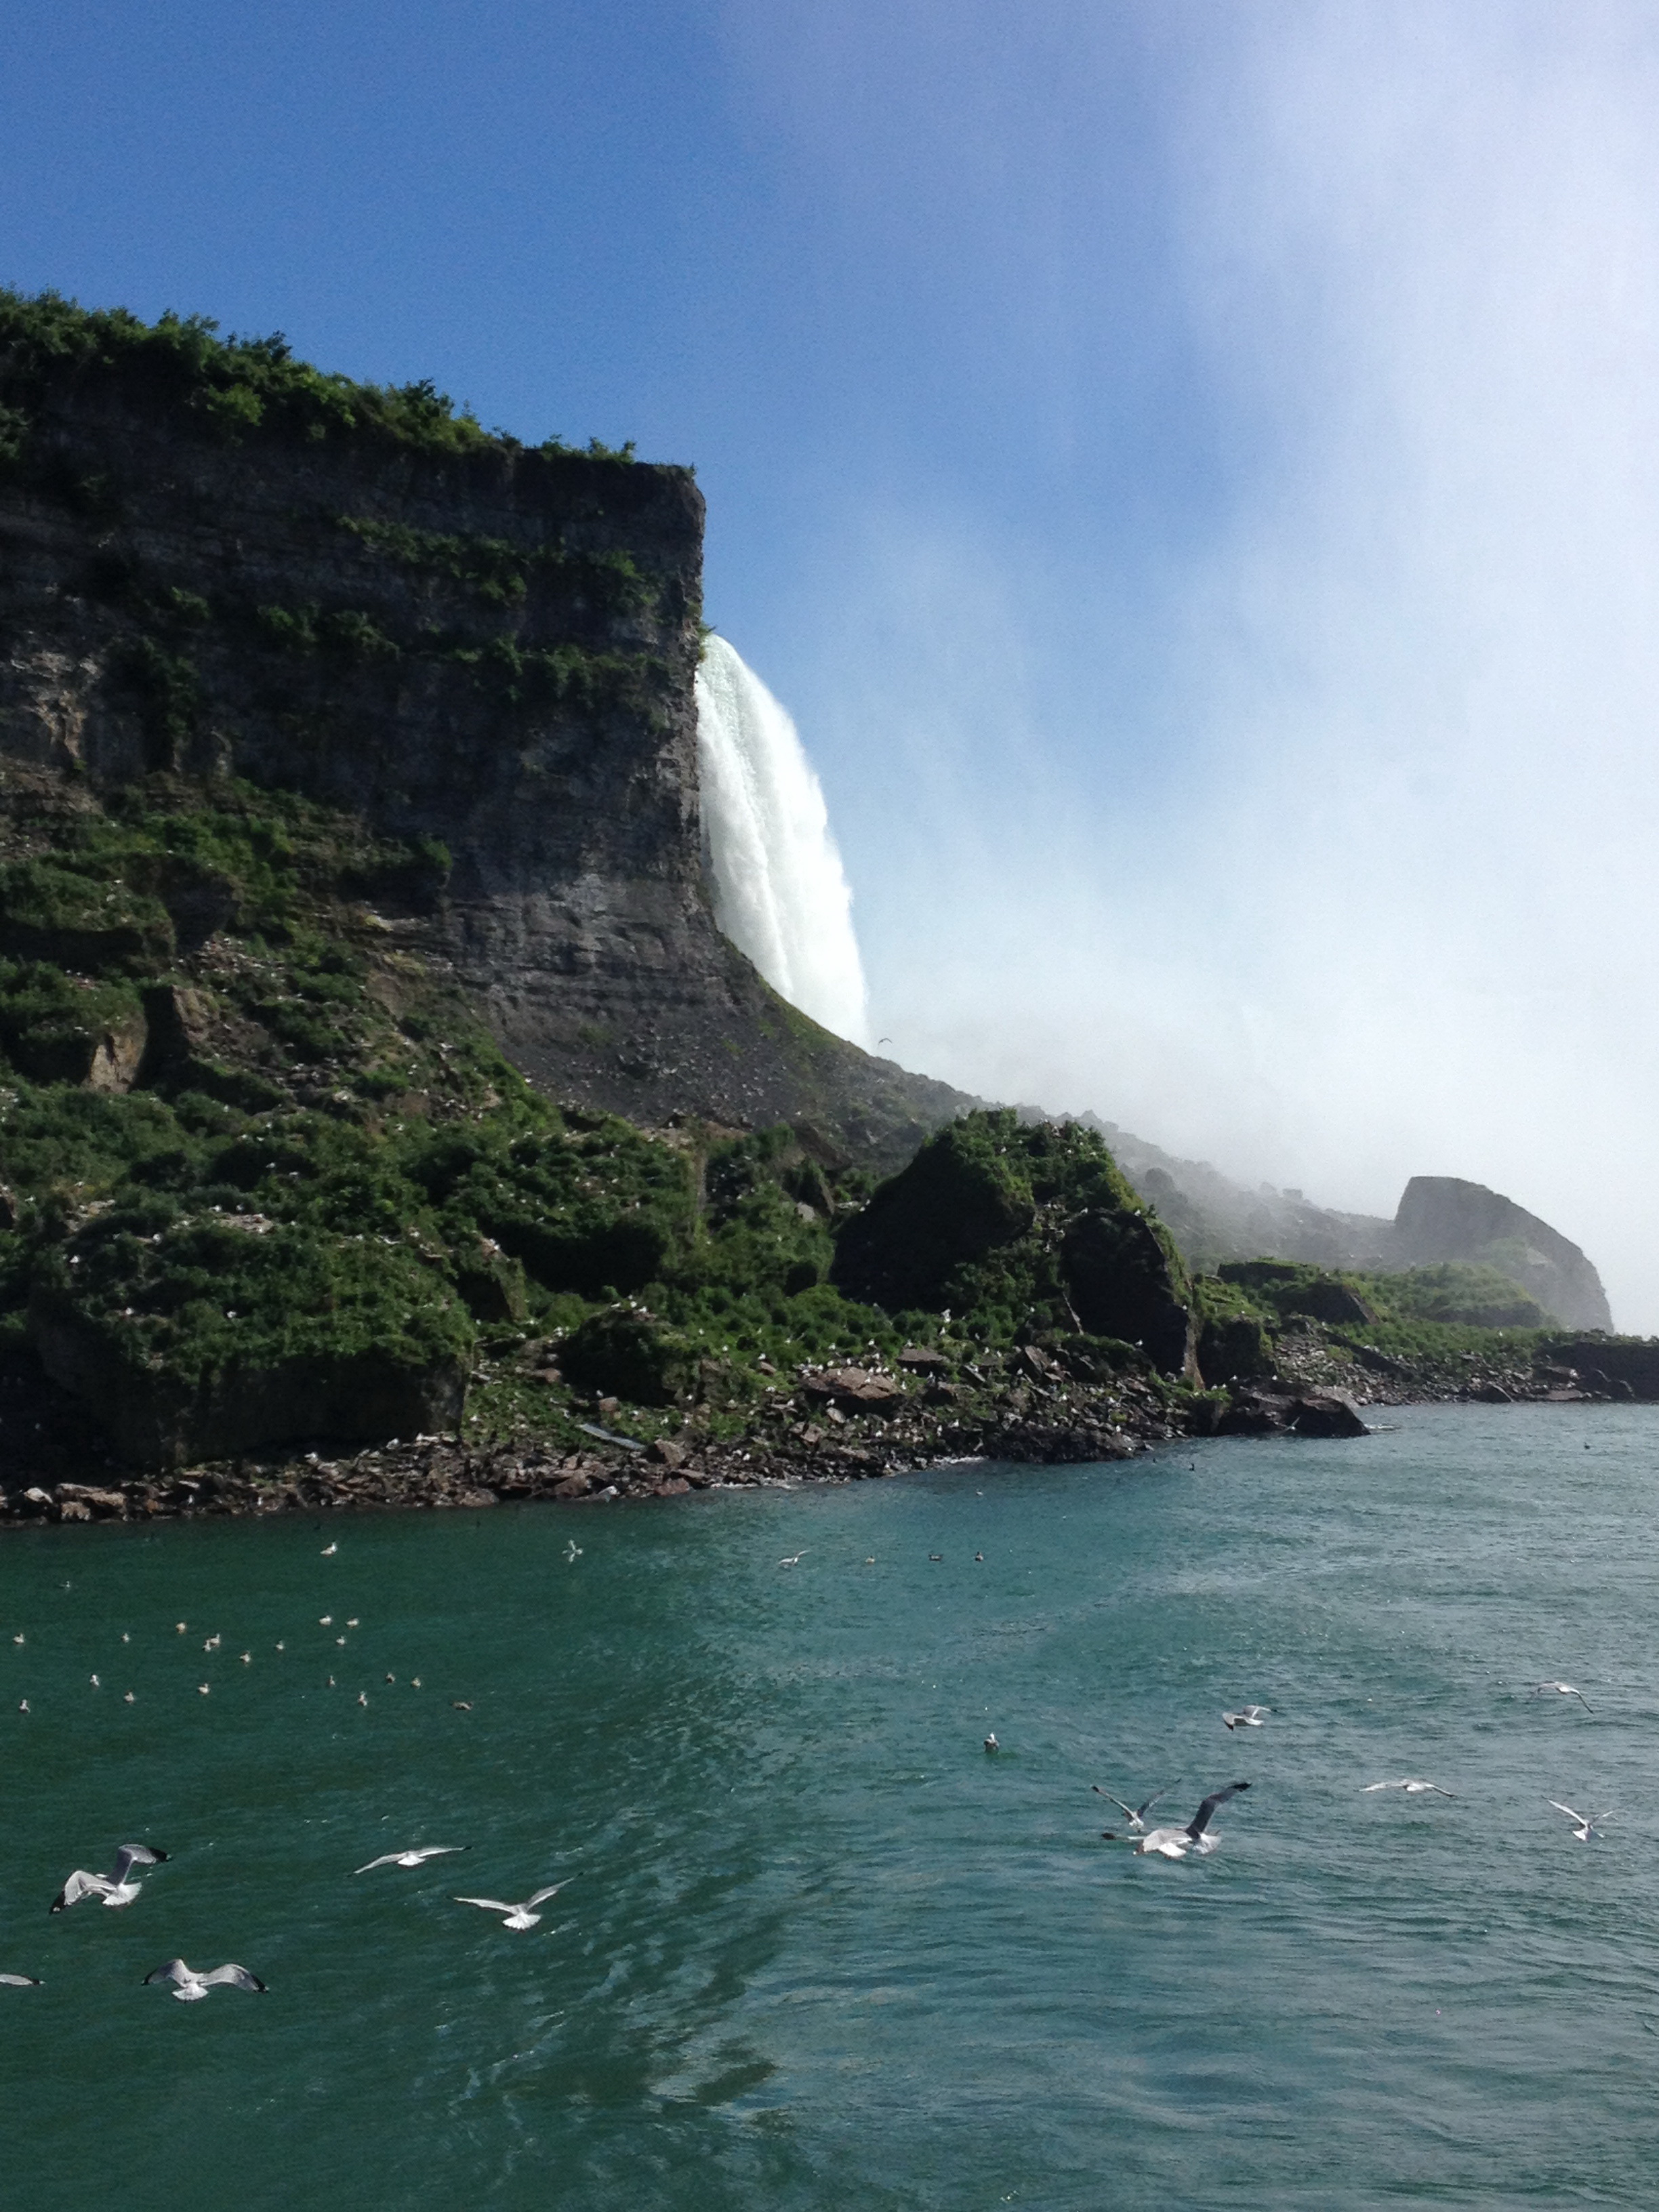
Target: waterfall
(779, 890)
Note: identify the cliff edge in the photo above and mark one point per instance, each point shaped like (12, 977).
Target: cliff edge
(217, 562)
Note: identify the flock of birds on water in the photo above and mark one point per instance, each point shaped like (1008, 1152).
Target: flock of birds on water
(1198, 1838)
(122, 1886)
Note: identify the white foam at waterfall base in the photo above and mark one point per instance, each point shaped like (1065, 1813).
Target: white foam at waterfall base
(780, 891)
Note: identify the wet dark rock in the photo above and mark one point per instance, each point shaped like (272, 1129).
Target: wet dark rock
(1328, 1414)
(1257, 1413)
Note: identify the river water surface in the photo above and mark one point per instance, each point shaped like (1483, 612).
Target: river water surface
(818, 1949)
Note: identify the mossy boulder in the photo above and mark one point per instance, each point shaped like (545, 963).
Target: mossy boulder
(1294, 1290)
(960, 1199)
(1125, 1281)
(629, 1352)
(194, 1338)
(1017, 1228)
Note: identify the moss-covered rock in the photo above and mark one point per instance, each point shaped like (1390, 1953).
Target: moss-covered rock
(198, 1337)
(1292, 1289)
(1022, 1228)
(629, 1352)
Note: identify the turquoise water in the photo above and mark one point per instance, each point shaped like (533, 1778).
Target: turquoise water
(817, 1948)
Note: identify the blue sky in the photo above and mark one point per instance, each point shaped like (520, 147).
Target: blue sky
(1189, 469)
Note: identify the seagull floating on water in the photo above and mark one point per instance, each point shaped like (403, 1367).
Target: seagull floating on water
(119, 1888)
(1586, 1823)
(1411, 1789)
(415, 1855)
(1137, 1814)
(1566, 1690)
(189, 1986)
(1252, 1717)
(517, 1916)
(991, 1743)
(19, 1981)
(1176, 1843)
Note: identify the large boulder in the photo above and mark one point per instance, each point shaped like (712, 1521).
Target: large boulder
(1016, 1228)
(1119, 1273)
(628, 1351)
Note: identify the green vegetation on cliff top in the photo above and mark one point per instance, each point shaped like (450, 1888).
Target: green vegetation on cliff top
(236, 386)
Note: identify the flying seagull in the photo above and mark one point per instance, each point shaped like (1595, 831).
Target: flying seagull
(517, 1916)
(190, 1987)
(1176, 1843)
(1566, 1690)
(415, 1855)
(119, 1888)
(1586, 1823)
(19, 1981)
(793, 1560)
(1137, 1814)
(1252, 1717)
(1411, 1789)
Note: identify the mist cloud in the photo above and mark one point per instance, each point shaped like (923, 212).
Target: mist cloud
(1304, 819)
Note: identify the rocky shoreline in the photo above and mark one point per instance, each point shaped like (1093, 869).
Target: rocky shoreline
(837, 1443)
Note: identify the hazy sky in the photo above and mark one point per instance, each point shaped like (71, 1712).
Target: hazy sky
(1189, 466)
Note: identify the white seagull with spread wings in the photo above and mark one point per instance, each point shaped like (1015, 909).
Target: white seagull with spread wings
(1136, 1814)
(190, 1987)
(1565, 1690)
(119, 1888)
(517, 1916)
(1585, 1824)
(415, 1856)
(1251, 1716)
(1176, 1843)
(1411, 1789)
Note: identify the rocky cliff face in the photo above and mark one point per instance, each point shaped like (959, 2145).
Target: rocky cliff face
(215, 564)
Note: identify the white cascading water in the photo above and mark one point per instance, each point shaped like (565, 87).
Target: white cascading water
(780, 891)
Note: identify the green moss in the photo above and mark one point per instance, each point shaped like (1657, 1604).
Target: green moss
(200, 1293)
(499, 573)
(1456, 1296)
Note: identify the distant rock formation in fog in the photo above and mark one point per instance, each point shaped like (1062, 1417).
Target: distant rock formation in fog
(1440, 1218)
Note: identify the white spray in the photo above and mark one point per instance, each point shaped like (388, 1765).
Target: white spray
(780, 891)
